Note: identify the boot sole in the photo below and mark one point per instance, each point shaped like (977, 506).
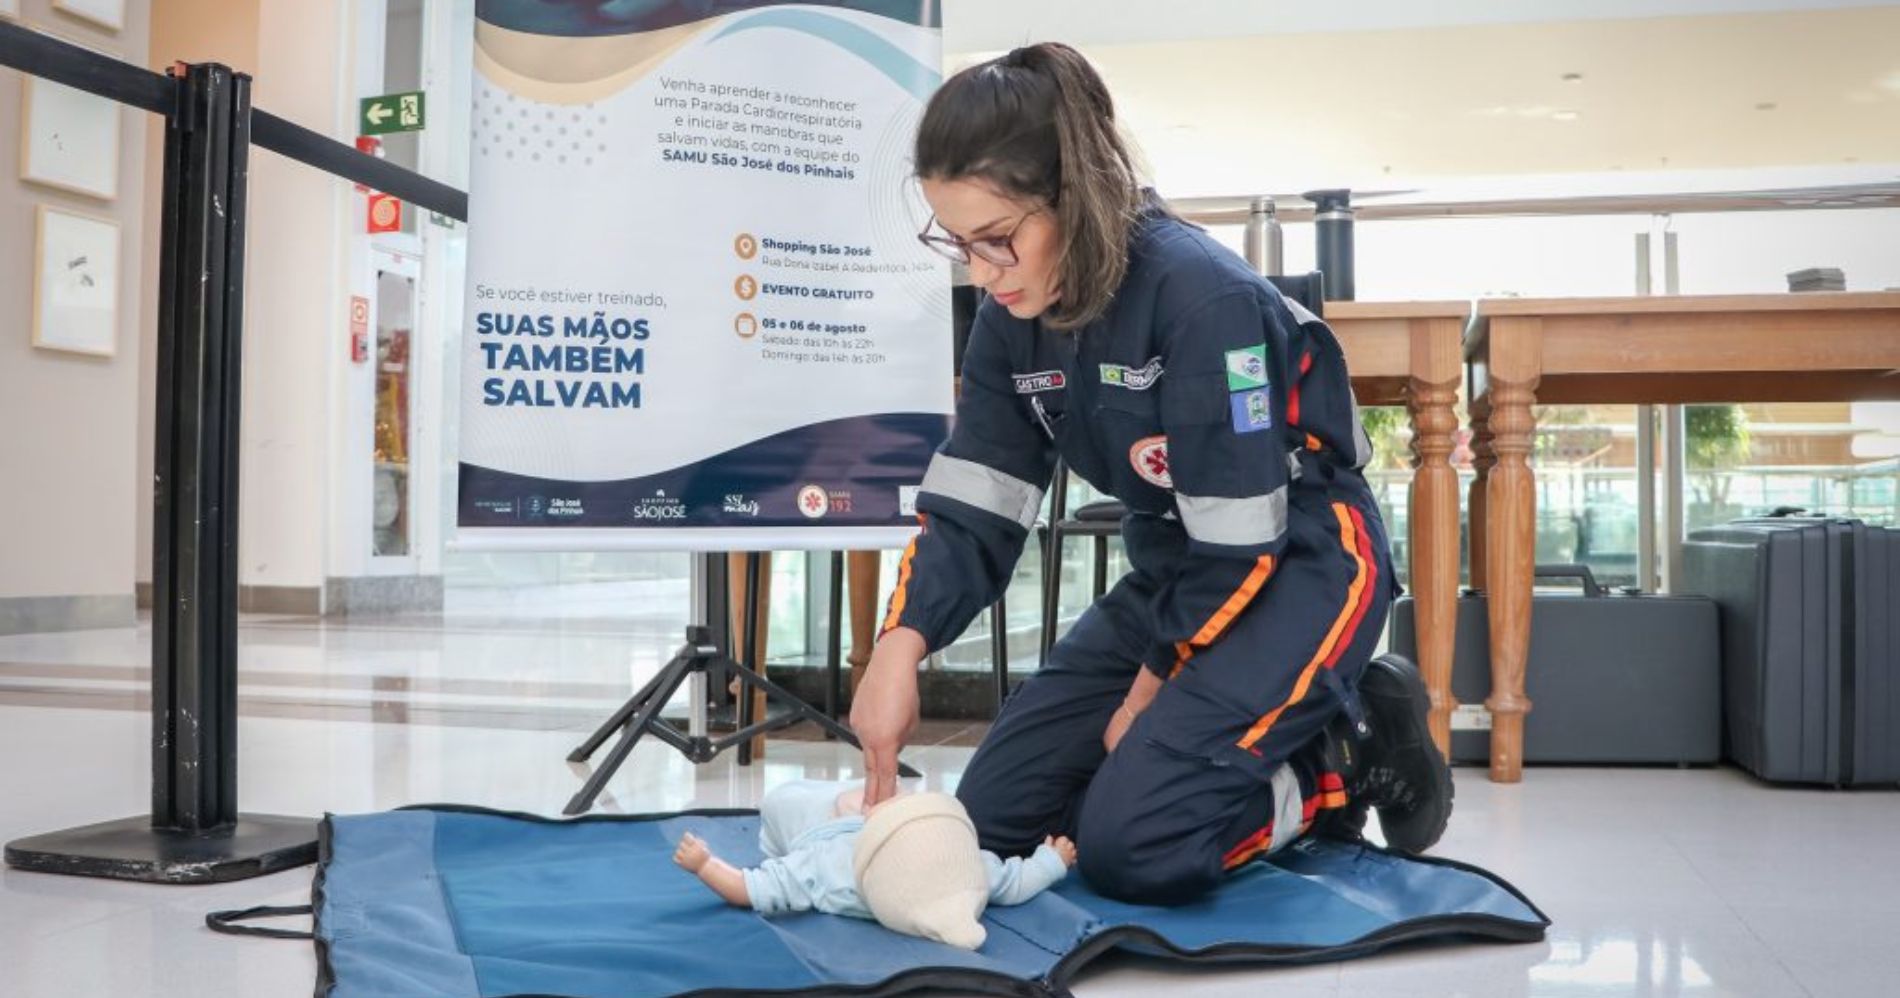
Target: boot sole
(1403, 671)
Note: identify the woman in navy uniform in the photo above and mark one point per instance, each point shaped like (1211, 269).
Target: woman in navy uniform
(1220, 700)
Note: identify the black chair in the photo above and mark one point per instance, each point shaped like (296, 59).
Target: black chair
(1102, 519)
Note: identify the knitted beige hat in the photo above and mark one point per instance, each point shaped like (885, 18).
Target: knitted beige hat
(920, 871)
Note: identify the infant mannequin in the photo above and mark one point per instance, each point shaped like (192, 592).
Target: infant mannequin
(912, 862)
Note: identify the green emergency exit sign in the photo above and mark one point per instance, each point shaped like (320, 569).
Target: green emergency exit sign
(391, 113)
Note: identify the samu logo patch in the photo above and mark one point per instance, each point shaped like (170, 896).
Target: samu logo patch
(1149, 456)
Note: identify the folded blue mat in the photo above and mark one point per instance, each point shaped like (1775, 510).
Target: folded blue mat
(455, 902)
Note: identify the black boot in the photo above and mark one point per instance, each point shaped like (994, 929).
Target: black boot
(1391, 763)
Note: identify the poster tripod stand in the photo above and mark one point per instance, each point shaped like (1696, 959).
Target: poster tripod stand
(695, 665)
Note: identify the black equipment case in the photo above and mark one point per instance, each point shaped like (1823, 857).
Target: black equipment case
(1613, 676)
(1810, 637)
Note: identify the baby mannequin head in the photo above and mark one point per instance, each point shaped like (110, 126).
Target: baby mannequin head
(920, 871)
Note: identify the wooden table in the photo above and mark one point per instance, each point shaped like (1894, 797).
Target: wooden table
(1409, 354)
(1822, 346)
(1399, 353)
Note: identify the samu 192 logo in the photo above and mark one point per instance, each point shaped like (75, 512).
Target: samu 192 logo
(814, 502)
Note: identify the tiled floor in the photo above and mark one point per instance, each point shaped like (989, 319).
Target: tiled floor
(1660, 882)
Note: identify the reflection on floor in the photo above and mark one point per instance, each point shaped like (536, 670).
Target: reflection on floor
(1661, 882)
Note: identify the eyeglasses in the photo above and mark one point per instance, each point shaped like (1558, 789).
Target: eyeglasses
(992, 249)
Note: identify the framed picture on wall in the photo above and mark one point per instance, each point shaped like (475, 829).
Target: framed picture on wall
(69, 139)
(109, 14)
(76, 283)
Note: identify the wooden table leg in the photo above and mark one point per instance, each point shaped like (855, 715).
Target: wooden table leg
(1483, 458)
(1433, 526)
(1510, 557)
(735, 589)
(863, 571)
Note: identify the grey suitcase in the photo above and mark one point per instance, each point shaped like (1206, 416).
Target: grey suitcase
(1810, 632)
(1613, 677)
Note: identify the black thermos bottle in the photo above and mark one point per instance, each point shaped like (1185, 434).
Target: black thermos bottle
(1332, 222)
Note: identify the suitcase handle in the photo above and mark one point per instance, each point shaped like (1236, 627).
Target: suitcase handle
(1581, 573)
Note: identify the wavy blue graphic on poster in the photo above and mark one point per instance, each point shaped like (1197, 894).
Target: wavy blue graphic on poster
(695, 298)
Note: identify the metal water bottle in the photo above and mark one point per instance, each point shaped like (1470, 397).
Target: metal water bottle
(1332, 223)
(1264, 249)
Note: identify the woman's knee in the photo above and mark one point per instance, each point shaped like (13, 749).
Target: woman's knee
(1127, 862)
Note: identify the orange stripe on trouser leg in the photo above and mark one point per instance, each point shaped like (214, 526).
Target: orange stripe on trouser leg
(1354, 610)
(1249, 588)
(1368, 565)
(1248, 848)
(900, 594)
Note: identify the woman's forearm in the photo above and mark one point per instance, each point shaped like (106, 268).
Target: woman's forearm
(1142, 692)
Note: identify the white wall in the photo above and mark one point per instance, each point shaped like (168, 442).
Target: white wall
(296, 318)
(68, 423)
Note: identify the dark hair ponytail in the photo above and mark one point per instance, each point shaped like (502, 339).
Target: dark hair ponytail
(1038, 123)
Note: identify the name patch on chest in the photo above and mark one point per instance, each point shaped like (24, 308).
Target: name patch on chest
(1138, 379)
(1041, 381)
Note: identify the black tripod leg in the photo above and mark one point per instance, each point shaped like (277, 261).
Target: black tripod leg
(805, 711)
(659, 692)
(834, 647)
(749, 657)
(620, 718)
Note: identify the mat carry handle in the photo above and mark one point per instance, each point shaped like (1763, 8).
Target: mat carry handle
(227, 921)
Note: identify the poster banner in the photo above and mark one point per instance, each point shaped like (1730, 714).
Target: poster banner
(695, 296)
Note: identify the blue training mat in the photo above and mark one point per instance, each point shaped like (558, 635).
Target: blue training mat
(454, 902)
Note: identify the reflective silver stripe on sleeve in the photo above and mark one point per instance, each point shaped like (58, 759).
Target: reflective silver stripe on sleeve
(1361, 444)
(983, 487)
(1300, 312)
(1235, 522)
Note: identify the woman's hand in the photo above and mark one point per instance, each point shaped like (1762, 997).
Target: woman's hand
(884, 709)
(1140, 695)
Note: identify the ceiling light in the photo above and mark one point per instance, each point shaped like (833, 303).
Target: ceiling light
(1766, 105)
(1573, 77)
(1565, 115)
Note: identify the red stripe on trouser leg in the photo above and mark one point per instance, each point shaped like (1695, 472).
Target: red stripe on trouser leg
(1248, 848)
(1372, 579)
(1345, 626)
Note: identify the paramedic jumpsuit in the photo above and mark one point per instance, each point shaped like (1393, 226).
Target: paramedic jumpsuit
(1219, 412)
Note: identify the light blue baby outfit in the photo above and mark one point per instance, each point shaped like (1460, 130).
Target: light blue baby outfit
(808, 857)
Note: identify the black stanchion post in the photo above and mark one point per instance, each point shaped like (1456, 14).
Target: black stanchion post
(195, 833)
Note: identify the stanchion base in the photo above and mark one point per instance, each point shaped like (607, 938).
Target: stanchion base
(131, 849)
